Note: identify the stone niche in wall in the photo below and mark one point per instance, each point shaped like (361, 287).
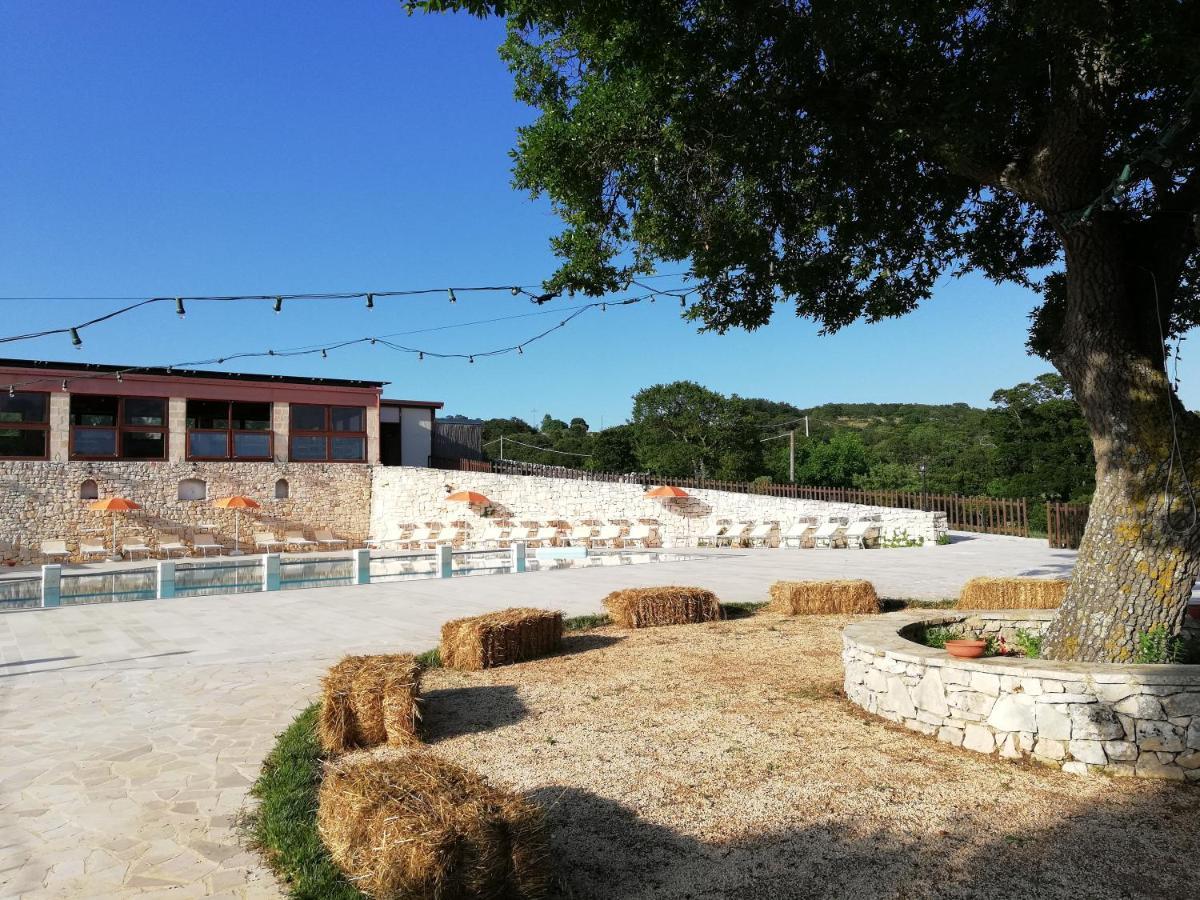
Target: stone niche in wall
(1140, 720)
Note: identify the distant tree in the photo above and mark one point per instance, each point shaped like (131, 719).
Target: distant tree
(840, 156)
(686, 430)
(834, 463)
(551, 424)
(613, 450)
(579, 425)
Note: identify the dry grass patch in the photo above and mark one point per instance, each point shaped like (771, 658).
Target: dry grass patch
(793, 598)
(672, 605)
(500, 638)
(368, 701)
(409, 824)
(1013, 593)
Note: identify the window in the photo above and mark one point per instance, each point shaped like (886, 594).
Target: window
(282, 491)
(118, 427)
(193, 489)
(221, 429)
(328, 433)
(88, 490)
(24, 425)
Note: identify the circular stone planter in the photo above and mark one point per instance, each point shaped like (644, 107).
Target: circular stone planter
(1141, 720)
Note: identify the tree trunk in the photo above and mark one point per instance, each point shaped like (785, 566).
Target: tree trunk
(1141, 549)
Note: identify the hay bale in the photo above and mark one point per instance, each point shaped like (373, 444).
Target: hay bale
(500, 638)
(370, 700)
(407, 824)
(1013, 593)
(801, 598)
(672, 605)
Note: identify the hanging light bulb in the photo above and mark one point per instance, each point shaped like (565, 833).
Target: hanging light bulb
(603, 307)
(420, 356)
(372, 342)
(278, 304)
(570, 290)
(515, 291)
(471, 360)
(179, 310)
(11, 392)
(683, 302)
(119, 379)
(450, 291)
(64, 384)
(324, 355)
(520, 350)
(370, 301)
(270, 353)
(76, 340)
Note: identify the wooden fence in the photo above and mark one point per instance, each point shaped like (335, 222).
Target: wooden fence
(1065, 523)
(989, 515)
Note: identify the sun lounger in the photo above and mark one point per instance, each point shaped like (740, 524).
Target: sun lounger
(607, 535)
(581, 534)
(134, 546)
(760, 535)
(170, 543)
(490, 538)
(53, 550)
(734, 534)
(546, 535)
(265, 540)
(637, 537)
(710, 535)
(447, 535)
(296, 538)
(796, 534)
(203, 542)
(520, 533)
(92, 547)
(419, 536)
(326, 541)
(827, 533)
(858, 533)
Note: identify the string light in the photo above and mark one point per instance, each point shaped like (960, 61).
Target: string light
(370, 301)
(324, 355)
(450, 291)
(278, 304)
(76, 340)
(520, 350)
(515, 291)
(420, 356)
(11, 391)
(471, 360)
(179, 310)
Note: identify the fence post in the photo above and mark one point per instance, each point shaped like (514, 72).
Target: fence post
(445, 560)
(166, 579)
(52, 585)
(518, 556)
(271, 576)
(362, 566)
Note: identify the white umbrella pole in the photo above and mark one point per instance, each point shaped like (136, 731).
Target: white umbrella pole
(237, 533)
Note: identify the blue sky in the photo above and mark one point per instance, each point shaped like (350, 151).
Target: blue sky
(168, 147)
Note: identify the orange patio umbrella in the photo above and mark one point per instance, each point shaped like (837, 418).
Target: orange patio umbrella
(237, 503)
(472, 497)
(667, 492)
(114, 505)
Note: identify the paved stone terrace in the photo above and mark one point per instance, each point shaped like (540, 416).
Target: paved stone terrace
(132, 731)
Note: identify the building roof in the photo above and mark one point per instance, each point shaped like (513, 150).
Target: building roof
(104, 369)
(427, 404)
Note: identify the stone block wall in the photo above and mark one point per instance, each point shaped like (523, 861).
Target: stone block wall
(41, 500)
(409, 495)
(1085, 717)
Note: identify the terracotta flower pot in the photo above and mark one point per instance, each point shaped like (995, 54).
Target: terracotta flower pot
(966, 648)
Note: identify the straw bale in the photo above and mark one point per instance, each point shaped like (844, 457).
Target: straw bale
(1013, 593)
(670, 605)
(500, 638)
(407, 824)
(370, 700)
(798, 598)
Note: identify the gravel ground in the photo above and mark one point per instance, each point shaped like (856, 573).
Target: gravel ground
(721, 760)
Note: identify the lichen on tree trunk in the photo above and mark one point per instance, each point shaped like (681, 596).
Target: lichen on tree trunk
(1140, 553)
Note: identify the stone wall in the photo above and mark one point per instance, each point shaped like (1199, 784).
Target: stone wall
(41, 500)
(408, 495)
(1085, 717)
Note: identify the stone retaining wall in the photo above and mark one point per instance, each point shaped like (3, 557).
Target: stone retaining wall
(1085, 717)
(408, 495)
(41, 500)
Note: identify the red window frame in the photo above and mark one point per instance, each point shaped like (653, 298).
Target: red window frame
(230, 432)
(43, 426)
(121, 430)
(328, 432)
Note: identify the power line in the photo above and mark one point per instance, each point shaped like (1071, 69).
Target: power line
(509, 440)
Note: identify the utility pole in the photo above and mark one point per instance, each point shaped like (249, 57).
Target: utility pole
(791, 436)
(502, 446)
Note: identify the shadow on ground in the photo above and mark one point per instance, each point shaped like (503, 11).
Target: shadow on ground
(583, 643)
(469, 710)
(1118, 850)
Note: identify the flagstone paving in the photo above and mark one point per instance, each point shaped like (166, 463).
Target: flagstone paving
(133, 731)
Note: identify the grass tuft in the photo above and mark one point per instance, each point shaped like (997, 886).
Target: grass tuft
(741, 610)
(284, 826)
(586, 623)
(430, 659)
